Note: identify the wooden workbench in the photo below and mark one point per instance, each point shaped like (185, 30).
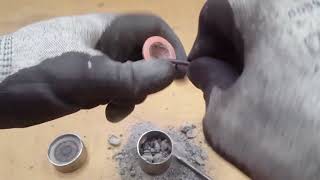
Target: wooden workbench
(23, 151)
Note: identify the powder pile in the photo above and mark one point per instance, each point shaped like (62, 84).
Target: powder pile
(128, 164)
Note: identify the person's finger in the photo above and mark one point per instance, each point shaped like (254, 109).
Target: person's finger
(117, 112)
(121, 101)
(81, 81)
(126, 35)
(217, 35)
(119, 109)
(131, 80)
(206, 73)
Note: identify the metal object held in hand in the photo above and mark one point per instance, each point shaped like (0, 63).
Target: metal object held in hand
(157, 47)
(179, 62)
(194, 169)
(67, 153)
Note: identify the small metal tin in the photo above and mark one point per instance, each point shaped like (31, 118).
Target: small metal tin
(67, 153)
(154, 168)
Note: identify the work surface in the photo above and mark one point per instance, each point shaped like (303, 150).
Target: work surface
(23, 151)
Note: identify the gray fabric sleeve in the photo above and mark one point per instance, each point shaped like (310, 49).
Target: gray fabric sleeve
(5, 56)
(34, 43)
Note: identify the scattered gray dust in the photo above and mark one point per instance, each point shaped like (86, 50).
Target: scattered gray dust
(128, 164)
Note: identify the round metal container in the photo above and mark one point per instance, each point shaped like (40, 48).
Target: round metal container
(154, 168)
(67, 153)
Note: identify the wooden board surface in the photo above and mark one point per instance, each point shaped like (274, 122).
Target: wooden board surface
(23, 151)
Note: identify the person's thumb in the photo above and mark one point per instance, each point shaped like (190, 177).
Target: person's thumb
(206, 73)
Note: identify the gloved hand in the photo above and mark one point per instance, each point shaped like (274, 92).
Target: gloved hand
(257, 63)
(59, 66)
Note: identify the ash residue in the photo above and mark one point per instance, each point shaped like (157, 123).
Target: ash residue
(128, 158)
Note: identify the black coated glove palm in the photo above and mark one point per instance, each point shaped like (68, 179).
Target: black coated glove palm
(257, 63)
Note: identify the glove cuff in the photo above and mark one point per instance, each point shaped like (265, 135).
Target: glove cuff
(6, 54)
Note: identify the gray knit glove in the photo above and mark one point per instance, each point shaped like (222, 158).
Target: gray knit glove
(257, 63)
(57, 67)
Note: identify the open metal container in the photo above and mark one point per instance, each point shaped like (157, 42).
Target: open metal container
(154, 168)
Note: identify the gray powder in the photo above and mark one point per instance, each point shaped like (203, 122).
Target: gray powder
(128, 164)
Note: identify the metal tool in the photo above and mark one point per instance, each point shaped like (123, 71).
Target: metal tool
(179, 62)
(194, 169)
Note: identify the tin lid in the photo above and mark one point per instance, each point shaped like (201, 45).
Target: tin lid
(67, 152)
